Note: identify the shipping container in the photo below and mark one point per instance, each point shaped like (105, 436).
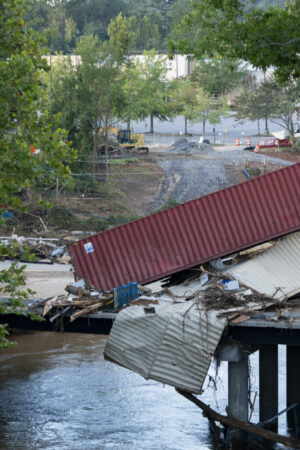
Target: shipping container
(193, 233)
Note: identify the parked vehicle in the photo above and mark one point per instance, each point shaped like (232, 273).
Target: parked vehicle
(273, 143)
(132, 142)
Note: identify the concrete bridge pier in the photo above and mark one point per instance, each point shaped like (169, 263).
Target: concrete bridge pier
(238, 373)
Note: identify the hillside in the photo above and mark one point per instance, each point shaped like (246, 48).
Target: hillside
(65, 21)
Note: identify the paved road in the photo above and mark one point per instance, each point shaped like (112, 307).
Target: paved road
(225, 132)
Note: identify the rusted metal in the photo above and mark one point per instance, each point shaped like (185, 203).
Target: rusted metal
(195, 232)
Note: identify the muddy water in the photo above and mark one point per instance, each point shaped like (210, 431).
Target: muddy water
(58, 392)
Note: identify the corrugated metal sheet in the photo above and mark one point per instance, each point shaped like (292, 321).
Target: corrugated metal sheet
(190, 234)
(276, 272)
(174, 345)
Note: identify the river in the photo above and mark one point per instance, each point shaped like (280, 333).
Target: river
(57, 392)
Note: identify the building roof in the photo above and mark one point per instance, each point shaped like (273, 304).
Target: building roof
(193, 233)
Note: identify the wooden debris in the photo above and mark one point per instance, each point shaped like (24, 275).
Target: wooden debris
(241, 319)
(48, 305)
(257, 249)
(87, 310)
(232, 422)
(38, 303)
(78, 291)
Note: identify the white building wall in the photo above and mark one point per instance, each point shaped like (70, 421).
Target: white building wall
(176, 67)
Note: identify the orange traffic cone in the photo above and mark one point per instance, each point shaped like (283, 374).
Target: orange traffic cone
(248, 141)
(237, 141)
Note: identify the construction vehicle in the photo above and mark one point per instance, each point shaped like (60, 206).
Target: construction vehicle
(134, 143)
(128, 141)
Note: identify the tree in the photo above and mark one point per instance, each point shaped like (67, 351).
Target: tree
(256, 103)
(147, 89)
(88, 94)
(247, 107)
(196, 105)
(24, 125)
(270, 101)
(206, 109)
(66, 21)
(146, 33)
(218, 76)
(285, 102)
(232, 28)
(184, 99)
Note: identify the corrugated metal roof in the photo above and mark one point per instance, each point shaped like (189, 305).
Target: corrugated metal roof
(276, 272)
(193, 233)
(174, 345)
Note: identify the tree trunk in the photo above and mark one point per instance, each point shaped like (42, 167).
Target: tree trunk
(94, 164)
(266, 126)
(106, 145)
(231, 421)
(258, 127)
(185, 126)
(203, 127)
(128, 124)
(151, 123)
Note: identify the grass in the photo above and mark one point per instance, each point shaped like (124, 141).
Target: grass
(122, 161)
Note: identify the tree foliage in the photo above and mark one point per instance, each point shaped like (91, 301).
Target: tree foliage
(24, 125)
(218, 76)
(147, 90)
(264, 37)
(88, 92)
(270, 101)
(195, 104)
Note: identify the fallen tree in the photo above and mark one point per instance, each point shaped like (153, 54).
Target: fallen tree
(232, 422)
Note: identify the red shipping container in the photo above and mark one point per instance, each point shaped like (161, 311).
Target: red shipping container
(193, 233)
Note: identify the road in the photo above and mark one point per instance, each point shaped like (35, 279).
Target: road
(225, 132)
(191, 176)
(47, 280)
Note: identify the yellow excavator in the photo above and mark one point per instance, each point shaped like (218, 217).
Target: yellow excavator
(130, 142)
(134, 143)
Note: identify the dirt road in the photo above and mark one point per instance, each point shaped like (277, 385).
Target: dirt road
(191, 176)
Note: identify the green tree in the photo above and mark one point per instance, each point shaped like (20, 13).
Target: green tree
(256, 103)
(88, 93)
(206, 109)
(285, 102)
(24, 124)
(264, 37)
(218, 76)
(147, 89)
(184, 99)
(270, 101)
(146, 33)
(196, 105)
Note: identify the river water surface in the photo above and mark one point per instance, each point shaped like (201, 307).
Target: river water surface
(58, 392)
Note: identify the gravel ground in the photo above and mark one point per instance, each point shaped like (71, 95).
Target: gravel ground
(192, 175)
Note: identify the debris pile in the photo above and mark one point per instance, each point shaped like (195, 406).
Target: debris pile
(78, 301)
(82, 300)
(183, 146)
(36, 250)
(233, 288)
